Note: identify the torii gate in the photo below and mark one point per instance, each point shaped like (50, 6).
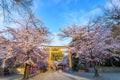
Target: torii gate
(60, 47)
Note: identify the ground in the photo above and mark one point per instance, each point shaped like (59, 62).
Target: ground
(67, 76)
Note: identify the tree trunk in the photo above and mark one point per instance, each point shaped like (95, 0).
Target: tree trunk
(86, 67)
(26, 71)
(3, 63)
(3, 66)
(111, 61)
(96, 72)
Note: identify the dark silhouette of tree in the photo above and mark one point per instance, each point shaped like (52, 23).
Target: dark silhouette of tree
(10, 7)
(111, 14)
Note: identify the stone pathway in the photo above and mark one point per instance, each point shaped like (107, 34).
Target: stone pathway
(58, 76)
(13, 77)
(89, 76)
(68, 76)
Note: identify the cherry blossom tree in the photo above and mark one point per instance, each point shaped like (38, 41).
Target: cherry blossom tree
(4, 55)
(113, 41)
(90, 44)
(26, 39)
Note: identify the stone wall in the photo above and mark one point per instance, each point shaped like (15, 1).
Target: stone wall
(106, 69)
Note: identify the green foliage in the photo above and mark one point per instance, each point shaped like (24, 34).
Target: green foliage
(75, 61)
(118, 52)
(56, 56)
(115, 31)
(111, 62)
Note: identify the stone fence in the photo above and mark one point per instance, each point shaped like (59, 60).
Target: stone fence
(106, 69)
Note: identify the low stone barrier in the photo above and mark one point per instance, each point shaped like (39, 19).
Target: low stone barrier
(106, 69)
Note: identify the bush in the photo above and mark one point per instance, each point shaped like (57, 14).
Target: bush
(111, 62)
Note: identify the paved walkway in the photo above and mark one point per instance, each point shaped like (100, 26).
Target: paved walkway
(58, 76)
(13, 77)
(77, 76)
(90, 76)
(64, 76)
(69, 76)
